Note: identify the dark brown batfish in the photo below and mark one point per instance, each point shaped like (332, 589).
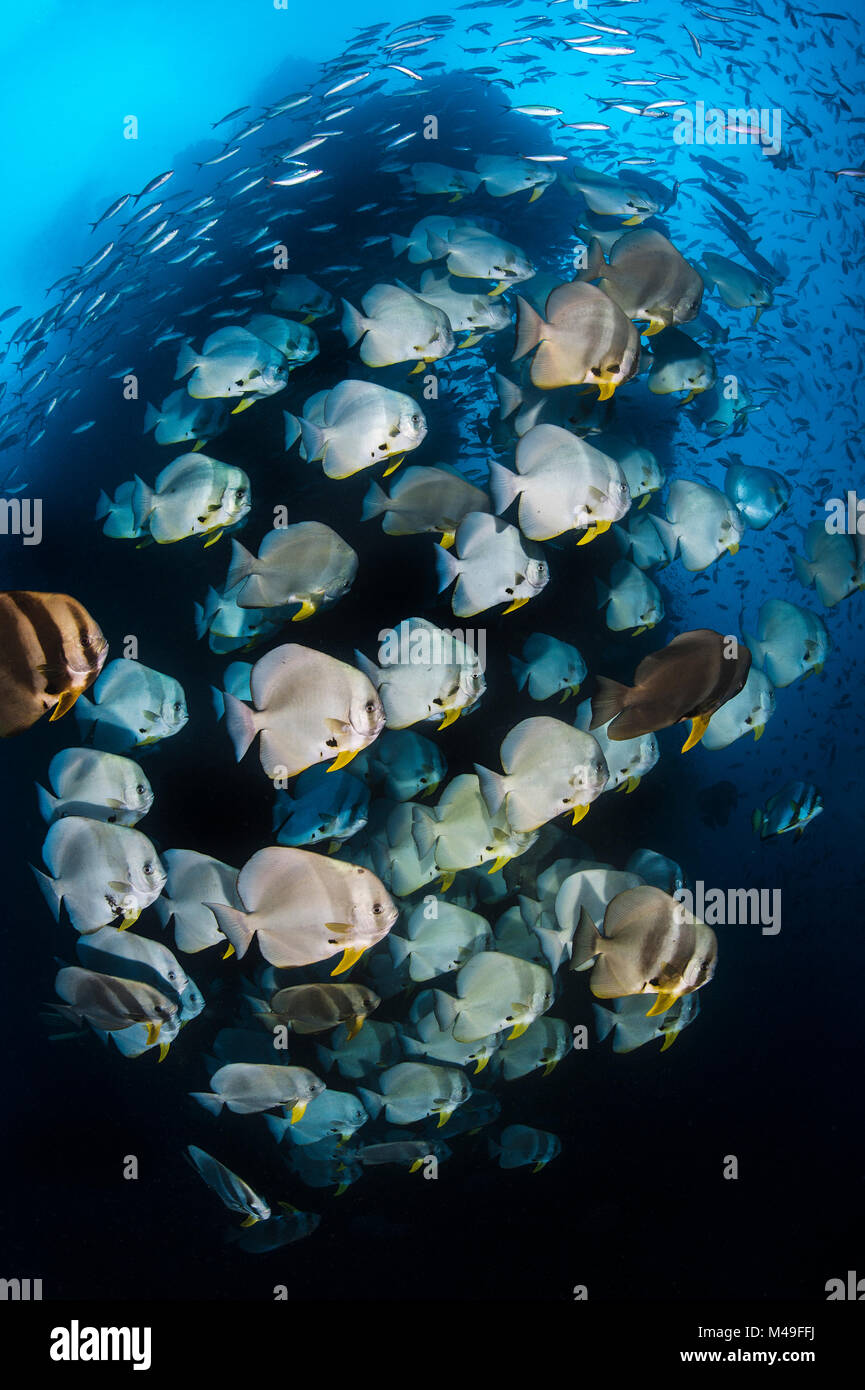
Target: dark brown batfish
(688, 679)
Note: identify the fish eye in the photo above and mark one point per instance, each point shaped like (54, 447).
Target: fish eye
(178, 706)
(141, 789)
(172, 975)
(148, 867)
(378, 908)
(370, 707)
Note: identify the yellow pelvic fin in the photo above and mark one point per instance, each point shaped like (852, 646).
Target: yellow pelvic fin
(343, 1187)
(213, 539)
(471, 341)
(305, 611)
(638, 631)
(537, 191)
(818, 669)
(578, 814)
(199, 444)
(482, 1061)
(228, 952)
(605, 390)
(669, 1039)
(455, 199)
(153, 1033)
(499, 863)
(343, 758)
(394, 466)
(418, 1163)
(498, 289)
(646, 497)
(589, 536)
(633, 783)
(632, 221)
(538, 1166)
(758, 732)
(690, 396)
(353, 1026)
(249, 1220)
(448, 876)
(655, 326)
(64, 704)
(418, 367)
(130, 919)
(451, 716)
(664, 1001)
(517, 1031)
(350, 956)
(164, 1049)
(244, 404)
(297, 1111)
(444, 1116)
(698, 728)
(517, 603)
(550, 1067)
(447, 540)
(334, 846)
(734, 548)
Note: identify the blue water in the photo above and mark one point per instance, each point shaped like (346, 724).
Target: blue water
(636, 1205)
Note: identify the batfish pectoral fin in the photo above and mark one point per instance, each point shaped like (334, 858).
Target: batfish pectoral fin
(64, 705)
(578, 813)
(305, 611)
(517, 603)
(664, 1001)
(343, 758)
(350, 956)
(698, 728)
(297, 1111)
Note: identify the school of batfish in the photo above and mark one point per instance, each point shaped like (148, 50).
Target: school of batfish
(401, 949)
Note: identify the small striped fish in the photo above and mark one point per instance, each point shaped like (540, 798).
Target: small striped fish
(50, 651)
